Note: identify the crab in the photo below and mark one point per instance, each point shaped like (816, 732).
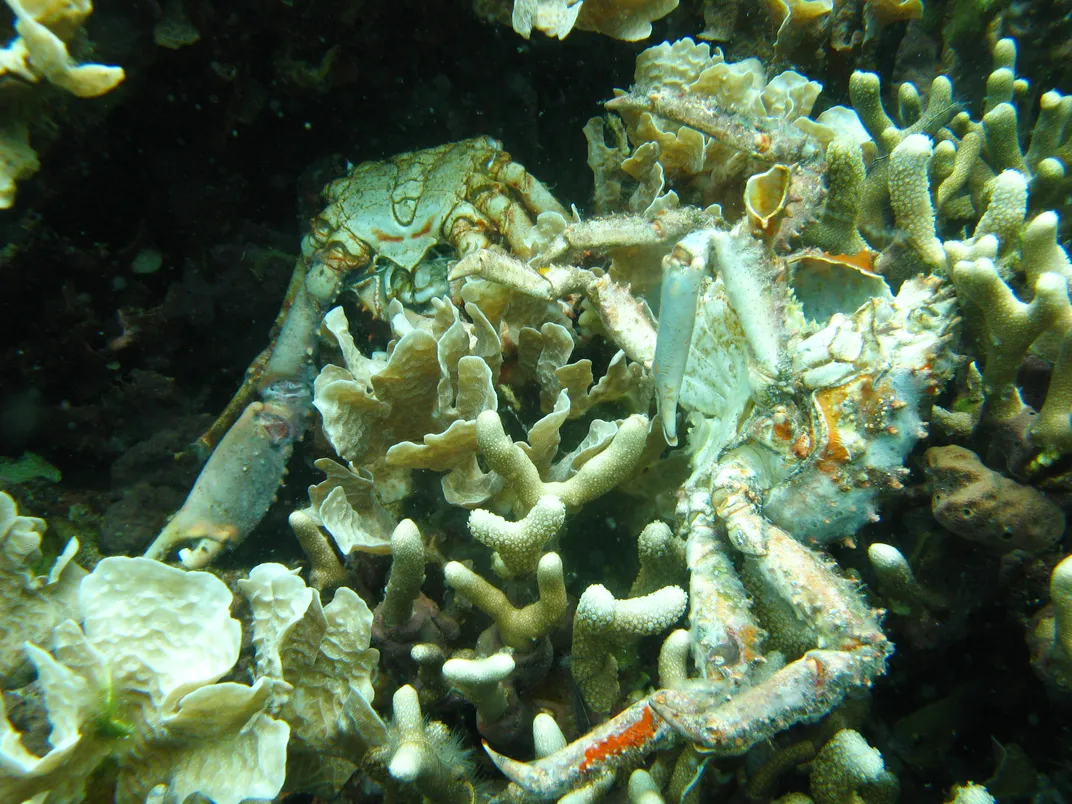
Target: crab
(387, 216)
(383, 218)
(803, 403)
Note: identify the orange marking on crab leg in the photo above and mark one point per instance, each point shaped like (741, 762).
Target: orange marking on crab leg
(620, 742)
(634, 735)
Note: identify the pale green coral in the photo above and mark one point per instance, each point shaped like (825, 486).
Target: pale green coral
(407, 574)
(849, 771)
(146, 661)
(601, 622)
(481, 682)
(519, 628)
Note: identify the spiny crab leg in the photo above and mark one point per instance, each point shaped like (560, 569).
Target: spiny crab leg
(802, 691)
(850, 648)
(622, 231)
(622, 741)
(777, 141)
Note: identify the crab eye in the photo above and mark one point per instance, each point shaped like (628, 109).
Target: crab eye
(321, 228)
(335, 256)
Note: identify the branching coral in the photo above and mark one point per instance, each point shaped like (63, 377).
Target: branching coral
(602, 623)
(519, 628)
(420, 758)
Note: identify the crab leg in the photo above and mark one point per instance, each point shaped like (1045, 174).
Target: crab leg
(727, 641)
(240, 479)
(781, 142)
(811, 599)
(620, 742)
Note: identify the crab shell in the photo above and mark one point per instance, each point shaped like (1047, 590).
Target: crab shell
(465, 194)
(846, 412)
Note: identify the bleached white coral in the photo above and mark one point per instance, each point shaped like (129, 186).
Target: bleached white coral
(136, 682)
(32, 604)
(323, 654)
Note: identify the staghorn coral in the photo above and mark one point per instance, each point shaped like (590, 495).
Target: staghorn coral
(420, 758)
(848, 770)
(1050, 635)
(602, 623)
(518, 628)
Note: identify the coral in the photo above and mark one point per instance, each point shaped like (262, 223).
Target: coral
(481, 682)
(674, 659)
(137, 681)
(519, 628)
(662, 559)
(438, 375)
(628, 20)
(519, 545)
(602, 623)
(325, 571)
(320, 656)
(897, 582)
(407, 574)
(39, 53)
(795, 356)
(1011, 328)
(420, 757)
(1050, 636)
(348, 506)
(642, 788)
(980, 504)
(599, 475)
(669, 112)
(18, 160)
(848, 770)
(910, 197)
(970, 794)
(32, 604)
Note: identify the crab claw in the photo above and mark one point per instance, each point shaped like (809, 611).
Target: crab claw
(530, 776)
